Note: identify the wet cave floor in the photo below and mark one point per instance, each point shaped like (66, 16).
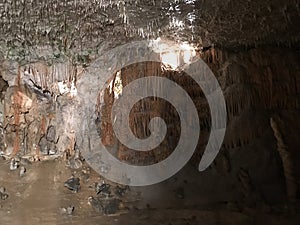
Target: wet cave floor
(40, 197)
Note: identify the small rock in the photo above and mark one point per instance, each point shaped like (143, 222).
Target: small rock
(67, 210)
(2, 154)
(107, 206)
(2, 189)
(73, 184)
(95, 204)
(22, 171)
(3, 195)
(13, 164)
(103, 188)
(63, 210)
(70, 210)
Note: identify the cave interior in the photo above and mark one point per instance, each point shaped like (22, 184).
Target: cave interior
(64, 67)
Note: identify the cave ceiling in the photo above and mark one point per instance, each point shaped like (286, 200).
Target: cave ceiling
(85, 26)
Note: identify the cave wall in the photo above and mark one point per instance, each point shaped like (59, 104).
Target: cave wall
(38, 110)
(259, 157)
(261, 88)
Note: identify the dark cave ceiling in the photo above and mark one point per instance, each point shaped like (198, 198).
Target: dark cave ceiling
(86, 25)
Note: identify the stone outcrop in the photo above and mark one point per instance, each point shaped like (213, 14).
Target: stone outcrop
(37, 99)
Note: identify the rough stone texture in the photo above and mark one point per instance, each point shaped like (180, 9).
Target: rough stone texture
(38, 197)
(46, 42)
(31, 104)
(141, 114)
(47, 29)
(259, 85)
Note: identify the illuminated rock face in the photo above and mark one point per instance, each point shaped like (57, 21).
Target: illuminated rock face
(34, 105)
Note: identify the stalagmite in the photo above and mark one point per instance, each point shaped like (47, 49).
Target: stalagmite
(287, 163)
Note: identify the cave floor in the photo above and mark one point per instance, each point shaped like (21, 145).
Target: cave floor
(39, 196)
